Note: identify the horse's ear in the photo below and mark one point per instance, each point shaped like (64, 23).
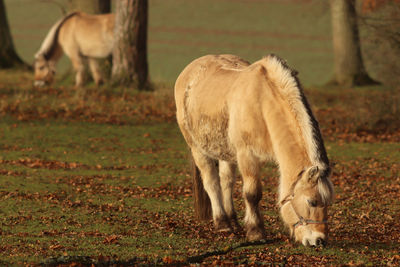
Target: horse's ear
(313, 174)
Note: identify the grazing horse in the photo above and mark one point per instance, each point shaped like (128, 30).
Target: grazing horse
(233, 114)
(79, 36)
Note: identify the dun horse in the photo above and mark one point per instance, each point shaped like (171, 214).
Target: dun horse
(80, 36)
(233, 114)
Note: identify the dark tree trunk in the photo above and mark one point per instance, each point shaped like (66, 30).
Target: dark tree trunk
(8, 55)
(349, 66)
(90, 6)
(104, 6)
(130, 48)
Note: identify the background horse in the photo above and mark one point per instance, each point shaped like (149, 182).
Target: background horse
(233, 114)
(80, 36)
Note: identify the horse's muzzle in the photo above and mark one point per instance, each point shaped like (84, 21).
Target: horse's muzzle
(39, 83)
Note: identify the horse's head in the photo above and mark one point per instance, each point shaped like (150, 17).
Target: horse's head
(44, 71)
(304, 211)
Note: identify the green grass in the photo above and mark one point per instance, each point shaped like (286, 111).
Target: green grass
(72, 198)
(103, 176)
(92, 210)
(387, 152)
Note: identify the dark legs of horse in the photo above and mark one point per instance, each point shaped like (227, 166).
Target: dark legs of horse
(211, 182)
(252, 192)
(219, 188)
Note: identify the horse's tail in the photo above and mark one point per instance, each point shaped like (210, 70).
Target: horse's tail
(50, 44)
(202, 204)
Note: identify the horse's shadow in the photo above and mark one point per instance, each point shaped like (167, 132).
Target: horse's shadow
(201, 257)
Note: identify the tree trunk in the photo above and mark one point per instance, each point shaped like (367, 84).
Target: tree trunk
(130, 47)
(104, 6)
(90, 6)
(349, 66)
(8, 55)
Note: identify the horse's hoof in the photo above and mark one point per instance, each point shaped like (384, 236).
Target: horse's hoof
(225, 230)
(236, 226)
(223, 225)
(255, 234)
(99, 83)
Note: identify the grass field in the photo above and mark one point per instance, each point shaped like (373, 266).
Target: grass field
(101, 176)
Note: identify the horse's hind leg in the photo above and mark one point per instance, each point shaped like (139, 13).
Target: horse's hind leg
(252, 192)
(211, 182)
(227, 176)
(95, 70)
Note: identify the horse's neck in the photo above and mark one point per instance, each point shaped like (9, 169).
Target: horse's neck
(292, 159)
(288, 142)
(56, 54)
(53, 55)
(50, 48)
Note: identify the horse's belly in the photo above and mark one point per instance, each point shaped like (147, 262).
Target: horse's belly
(210, 135)
(97, 50)
(96, 45)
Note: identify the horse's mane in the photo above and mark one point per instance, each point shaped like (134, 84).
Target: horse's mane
(289, 85)
(49, 44)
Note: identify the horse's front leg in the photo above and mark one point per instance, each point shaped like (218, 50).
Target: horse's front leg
(252, 193)
(211, 182)
(227, 176)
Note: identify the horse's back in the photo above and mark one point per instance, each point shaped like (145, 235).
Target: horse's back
(209, 78)
(88, 35)
(208, 66)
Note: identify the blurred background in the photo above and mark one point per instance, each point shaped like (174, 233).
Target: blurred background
(181, 30)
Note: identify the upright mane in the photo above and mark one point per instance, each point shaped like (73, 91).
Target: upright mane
(49, 44)
(289, 85)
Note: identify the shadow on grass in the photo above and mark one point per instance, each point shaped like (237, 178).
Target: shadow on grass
(107, 261)
(200, 258)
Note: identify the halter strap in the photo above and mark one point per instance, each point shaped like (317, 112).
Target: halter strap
(301, 221)
(286, 200)
(290, 197)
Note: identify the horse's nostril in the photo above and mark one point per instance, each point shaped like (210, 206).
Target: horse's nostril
(320, 242)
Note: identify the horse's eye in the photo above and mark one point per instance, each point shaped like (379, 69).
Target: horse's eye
(312, 203)
(41, 68)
